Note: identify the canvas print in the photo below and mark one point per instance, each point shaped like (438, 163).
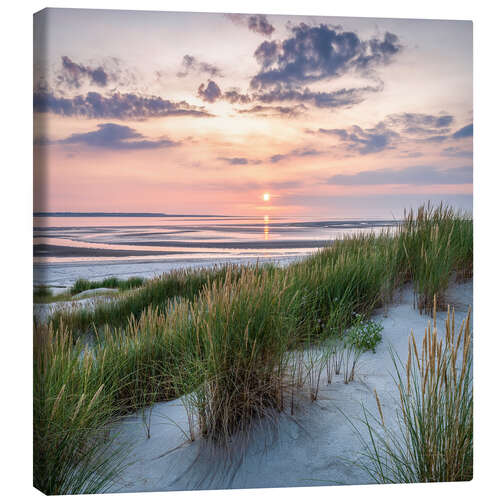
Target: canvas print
(253, 251)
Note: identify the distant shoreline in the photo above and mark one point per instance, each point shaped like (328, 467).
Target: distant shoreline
(118, 214)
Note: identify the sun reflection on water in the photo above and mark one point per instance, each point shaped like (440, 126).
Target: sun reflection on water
(266, 227)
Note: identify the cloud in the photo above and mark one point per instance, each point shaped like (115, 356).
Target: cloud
(288, 111)
(116, 137)
(467, 131)
(238, 160)
(365, 141)
(235, 97)
(209, 93)
(260, 24)
(316, 53)
(399, 128)
(420, 124)
(256, 23)
(191, 64)
(296, 153)
(277, 158)
(235, 161)
(419, 175)
(115, 106)
(343, 98)
(73, 74)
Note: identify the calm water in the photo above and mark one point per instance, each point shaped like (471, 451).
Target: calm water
(87, 243)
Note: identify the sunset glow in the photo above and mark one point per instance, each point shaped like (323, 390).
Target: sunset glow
(181, 121)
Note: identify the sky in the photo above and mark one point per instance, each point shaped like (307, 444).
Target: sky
(197, 113)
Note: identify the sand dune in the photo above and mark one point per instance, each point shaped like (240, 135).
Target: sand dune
(315, 446)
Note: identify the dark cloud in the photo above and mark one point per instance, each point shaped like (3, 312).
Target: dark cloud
(267, 52)
(467, 131)
(315, 53)
(277, 158)
(212, 92)
(419, 175)
(234, 161)
(74, 74)
(400, 128)
(256, 23)
(191, 64)
(209, 93)
(237, 160)
(343, 98)
(235, 97)
(296, 153)
(115, 106)
(260, 24)
(421, 124)
(116, 137)
(365, 141)
(288, 111)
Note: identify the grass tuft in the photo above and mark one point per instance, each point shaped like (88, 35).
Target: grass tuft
(82, 285)
(434, 442)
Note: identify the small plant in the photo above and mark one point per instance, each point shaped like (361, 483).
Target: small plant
(146, 410)
(364, 335)
(351, 356)
(334, 356)
(315, 363)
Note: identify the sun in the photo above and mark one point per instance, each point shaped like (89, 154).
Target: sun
(266, 196)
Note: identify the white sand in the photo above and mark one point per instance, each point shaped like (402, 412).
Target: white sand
(314, 447)
(94, 291)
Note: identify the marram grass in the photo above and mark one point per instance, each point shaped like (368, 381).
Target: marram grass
(434, 439)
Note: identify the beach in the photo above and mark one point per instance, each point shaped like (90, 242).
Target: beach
(216, 373)
(317, 446)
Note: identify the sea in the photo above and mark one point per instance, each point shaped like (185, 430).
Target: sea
(69, 245)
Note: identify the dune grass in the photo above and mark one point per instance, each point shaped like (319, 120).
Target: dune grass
(357, 274)
(42, 293)
(434, 442)
(72, 408)
(82, 285)
(156, 292)
(222, 335)
(432, 243)
(239, 352)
